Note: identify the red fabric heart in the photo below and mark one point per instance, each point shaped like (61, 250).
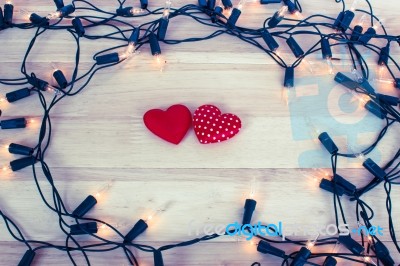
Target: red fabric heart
(211, 126)
(170, 125)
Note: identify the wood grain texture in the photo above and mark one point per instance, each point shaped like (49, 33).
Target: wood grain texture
(99, 136)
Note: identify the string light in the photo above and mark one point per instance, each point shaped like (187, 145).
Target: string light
(361, 90)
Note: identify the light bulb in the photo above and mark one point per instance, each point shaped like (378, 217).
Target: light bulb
(253, 188)
(160, 62)
(6, 169)
(54, 15)
(330, 66)
(314, 131)
(282, 11)
(102, 190)
(241, 4)
(51, 90)
(354, 5)
(361, 98)
(368, 260)
(378, 24)
(362, 20)
(25, 14)
(8, 2)
(150, 216)
(381, 72)
(308, 64)
(167, 9)
(311, 244)
(298, 15)
(136, 11)
(357, 76)
(3, 100)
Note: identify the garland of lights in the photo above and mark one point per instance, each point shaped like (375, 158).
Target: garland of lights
(223, 17)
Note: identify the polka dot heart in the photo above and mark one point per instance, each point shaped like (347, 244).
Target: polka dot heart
(211, 126)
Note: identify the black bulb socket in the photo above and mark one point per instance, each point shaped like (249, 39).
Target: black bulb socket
(162, 29)
(328, 143)
(85, 206)
(367, 36)
(154, 45)
(38, 20)
(134, 38)
(22, 163)
(67, 10)
(79, 29)
(227, 4)
(211, 4)
(331, 187)
(8, 14)
(13, 123)
(249, 207)
(375, 109)
(346, 20)
(27, 259)
(355, 35)
(348, 188)
(269, 40)
(391, 100)
(374, 169)
(137, 229)
(14, 148)
(60, 78)
(383, 253)
(326, 48)
(291, 6)
(384, 56)
(233, 18)
(294, 47)
(107, 59)
(351, 244)
(144, 4)
(289, 77)
(158, 259)
(346, 81)
(83, 228)
(264, 247)
(202, 3)
(124, 12)
(330, 261)
(18, 95)
(275, 20)
(217, 12)
(59, 4)
(301, 257)
(338, 20)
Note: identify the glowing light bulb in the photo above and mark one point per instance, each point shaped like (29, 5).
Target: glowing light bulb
(2, 99)
(313, 130)
(308, 64)
(330, 66)
(8, 2)
(282, 11)
(311, 244)
(167, 9)
(354, 5)
(298, 15)
(357, 76)
(361, 98)
(136, 11)
(368, 259)
(241, 4)
(52, 90)
(160, 62)
(378, 24)
(153, 214)
(362, 20)
(102, 190)
(25, 14)
(54, 15)
(253, 187)
(5, 169)
(381, 72)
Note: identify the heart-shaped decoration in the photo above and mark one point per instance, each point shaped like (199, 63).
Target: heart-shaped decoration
(170, 125)
(211, 126)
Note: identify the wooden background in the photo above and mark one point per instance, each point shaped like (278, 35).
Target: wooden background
(99, 136)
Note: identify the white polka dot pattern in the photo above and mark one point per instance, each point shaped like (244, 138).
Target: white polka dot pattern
(211, 126)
